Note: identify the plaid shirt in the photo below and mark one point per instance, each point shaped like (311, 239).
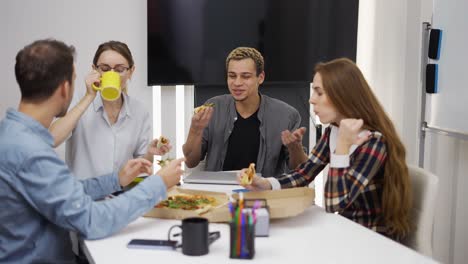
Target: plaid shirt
(354, 191)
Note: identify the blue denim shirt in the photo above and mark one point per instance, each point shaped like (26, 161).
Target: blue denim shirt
(41, 201)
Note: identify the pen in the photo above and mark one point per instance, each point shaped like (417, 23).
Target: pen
(239, 233)
(241, 199)
(250, 234)
(256, 205)
(242, 244)
(235, 248)
(231, 209)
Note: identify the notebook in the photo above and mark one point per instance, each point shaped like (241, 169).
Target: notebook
(213, 177)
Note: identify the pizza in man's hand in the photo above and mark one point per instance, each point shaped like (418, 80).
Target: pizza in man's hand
(198, 203)
(201, 107)
(164, 162)
(248, 175)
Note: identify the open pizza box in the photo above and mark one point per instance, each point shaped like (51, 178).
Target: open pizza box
(284, 203)
(219, 212)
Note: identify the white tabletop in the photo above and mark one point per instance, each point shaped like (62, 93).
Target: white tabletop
(312, 237)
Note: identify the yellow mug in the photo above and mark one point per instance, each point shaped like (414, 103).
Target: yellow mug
(110, 86)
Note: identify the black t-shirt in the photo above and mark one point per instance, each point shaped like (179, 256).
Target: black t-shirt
(243, 144)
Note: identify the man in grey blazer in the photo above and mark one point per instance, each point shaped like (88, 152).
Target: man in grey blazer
(244, 126)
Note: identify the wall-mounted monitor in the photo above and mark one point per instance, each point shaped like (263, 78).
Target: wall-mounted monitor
(188, 40)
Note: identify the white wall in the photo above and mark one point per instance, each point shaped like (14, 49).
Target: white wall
(384, 58)
(389, 53)
(177, 103)
(84, 24)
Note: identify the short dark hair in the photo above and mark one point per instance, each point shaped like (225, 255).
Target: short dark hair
(42, 66)
(241, 53)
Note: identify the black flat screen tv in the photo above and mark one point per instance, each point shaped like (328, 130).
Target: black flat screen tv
(189, 40)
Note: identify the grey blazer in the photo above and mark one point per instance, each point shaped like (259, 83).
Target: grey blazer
(274, 115)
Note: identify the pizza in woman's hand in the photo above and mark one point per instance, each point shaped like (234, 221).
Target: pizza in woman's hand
(162, 141)
(248, 175)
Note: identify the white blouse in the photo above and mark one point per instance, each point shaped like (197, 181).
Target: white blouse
(96, 147)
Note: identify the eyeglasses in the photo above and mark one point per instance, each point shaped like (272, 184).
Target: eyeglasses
(118, 68)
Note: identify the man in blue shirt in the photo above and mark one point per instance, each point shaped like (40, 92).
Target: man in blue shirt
(40, 199)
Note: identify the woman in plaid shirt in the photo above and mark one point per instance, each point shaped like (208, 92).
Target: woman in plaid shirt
(368, 179)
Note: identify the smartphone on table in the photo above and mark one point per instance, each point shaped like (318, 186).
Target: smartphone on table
(152, 244)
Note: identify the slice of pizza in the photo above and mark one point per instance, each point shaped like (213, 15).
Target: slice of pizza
(198, 203)
(162, 141)
(204, 209)
(164, 162)
(201, 107)
(248, 175)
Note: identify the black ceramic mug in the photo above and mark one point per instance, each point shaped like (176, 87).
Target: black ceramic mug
(195, 236)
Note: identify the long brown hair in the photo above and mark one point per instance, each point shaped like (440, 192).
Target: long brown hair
(352, 97)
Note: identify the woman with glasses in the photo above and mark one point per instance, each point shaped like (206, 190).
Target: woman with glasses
(102, 135)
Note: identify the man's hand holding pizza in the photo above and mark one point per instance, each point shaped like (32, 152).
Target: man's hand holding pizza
(171, 173)
(201, 118)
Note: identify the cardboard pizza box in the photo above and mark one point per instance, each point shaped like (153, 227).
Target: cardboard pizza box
(218, 213)
(284, 203)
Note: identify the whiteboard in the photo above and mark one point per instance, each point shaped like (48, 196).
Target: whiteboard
(448, 109)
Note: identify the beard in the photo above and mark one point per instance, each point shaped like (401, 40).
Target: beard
(239, 100)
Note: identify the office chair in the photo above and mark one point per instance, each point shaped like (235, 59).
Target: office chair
(425, 187)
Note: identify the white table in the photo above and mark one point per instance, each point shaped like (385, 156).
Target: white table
(312, 237)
